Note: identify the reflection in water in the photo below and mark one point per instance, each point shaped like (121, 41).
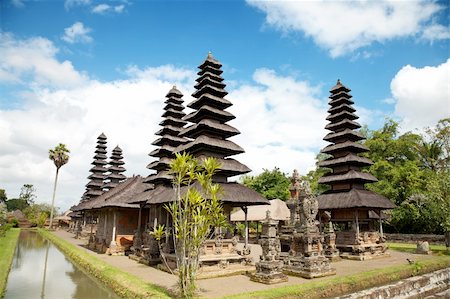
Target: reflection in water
(40, 270)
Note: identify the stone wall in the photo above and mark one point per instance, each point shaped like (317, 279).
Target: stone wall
(414, 238)
(414, 287)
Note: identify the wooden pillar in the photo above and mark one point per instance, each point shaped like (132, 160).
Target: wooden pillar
(113, 240)
(105, 224)
(357, 224)
(381, 224)
(245, 209)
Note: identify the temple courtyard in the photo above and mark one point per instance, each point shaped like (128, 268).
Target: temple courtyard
(237, 284)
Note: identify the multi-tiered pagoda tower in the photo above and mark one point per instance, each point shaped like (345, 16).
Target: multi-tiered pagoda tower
(209, 129)
(94, 187)
(352, 206)
(169, 140)
(115, 169)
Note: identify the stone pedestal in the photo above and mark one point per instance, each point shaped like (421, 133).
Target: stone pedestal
(269, 268)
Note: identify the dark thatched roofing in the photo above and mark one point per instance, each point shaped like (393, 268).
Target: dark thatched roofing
(169, 140)
(348, 145)
(340, 108)
(210, 60)
(210, 100)
(355, 198)
(347, 134)
(345, 123)
(162, 151)
(210, 89)
(351, 175)
(231, 193)
(342, 115)
(209, 112)
(350, 159)
(228, 165)
(225, 147)
(211, 75)
(208, 125)
(120, 196)
(339, 87)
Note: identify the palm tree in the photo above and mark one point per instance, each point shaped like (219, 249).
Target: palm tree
(59, 156)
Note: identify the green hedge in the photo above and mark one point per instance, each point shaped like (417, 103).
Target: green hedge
(122, 283)
(8, 244)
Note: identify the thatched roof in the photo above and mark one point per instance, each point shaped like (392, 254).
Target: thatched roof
(348, 145)
(342, 115)
(345, 123)
(350, 159)
(337, 109)
(348, 134)
(220, 92)
(355, 198)
(229, 166)
(120, 196)
(226, 147)
(339, 87)
(351, 175)
(278, 211)
(209, 112)
(231, 193)
(208, 125)
(211, 100)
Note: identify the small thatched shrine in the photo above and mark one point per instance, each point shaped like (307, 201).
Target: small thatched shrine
(352, 206)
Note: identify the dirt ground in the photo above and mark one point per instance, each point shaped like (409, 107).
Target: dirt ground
(231, 285)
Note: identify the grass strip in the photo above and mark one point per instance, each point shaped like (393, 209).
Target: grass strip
(8, 244)
(411, 248)
(122, 283)
(338, 286)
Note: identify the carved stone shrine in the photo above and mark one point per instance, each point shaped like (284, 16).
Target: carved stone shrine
(306, 256)
(269, 268)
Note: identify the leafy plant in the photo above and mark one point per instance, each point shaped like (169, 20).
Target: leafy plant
(195, 212)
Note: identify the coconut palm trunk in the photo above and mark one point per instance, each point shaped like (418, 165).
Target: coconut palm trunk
(53, 198)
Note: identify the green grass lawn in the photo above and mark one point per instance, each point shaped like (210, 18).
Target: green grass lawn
(411, 248)
(123, 283)
(8, 244)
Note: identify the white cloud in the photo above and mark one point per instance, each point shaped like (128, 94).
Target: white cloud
(33, 60)
(77, 33)
(68, 4)
(127, 111)
(422, 95)
(101, 8)
(344, 26)
(436, 32)
(106, 8)
(119, 8)
(18, 3)
(281, 120)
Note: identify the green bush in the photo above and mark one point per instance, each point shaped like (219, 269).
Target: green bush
(14, 222)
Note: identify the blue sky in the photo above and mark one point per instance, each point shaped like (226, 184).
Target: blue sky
(70, 70)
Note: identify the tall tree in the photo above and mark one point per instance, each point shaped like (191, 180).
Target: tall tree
(270, 183)
(3, 196)
(27, 193)
(60, 156)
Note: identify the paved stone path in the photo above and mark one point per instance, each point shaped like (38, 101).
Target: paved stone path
(231, 285)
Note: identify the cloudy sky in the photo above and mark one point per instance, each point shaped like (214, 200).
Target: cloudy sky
(72, 70)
